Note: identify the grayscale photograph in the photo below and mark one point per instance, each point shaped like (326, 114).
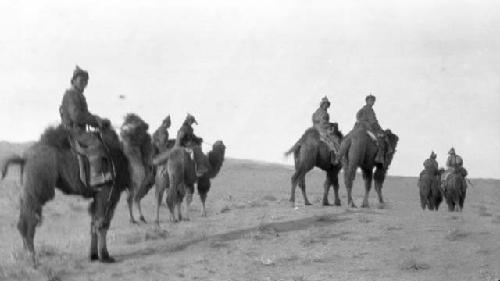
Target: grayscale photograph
(250, 140)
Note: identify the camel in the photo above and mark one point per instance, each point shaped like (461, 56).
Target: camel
(431, 195)
(455, 189)
(50, 163)
(164, 178)
(310, 152)
(173, 176)
(138, 147)
(360, 151)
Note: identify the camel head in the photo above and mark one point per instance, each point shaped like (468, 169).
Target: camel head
(393, 142)
(216, 157)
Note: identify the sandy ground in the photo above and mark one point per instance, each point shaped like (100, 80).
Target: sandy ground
(253, 233)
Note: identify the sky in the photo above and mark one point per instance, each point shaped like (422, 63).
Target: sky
(252, 72)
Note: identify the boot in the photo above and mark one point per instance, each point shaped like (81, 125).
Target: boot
(380, 157)
(200, 166)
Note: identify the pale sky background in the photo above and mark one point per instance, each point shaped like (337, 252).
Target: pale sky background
(253, 72)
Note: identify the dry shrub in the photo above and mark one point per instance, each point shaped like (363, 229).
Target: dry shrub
(456, 234)
(411, 264)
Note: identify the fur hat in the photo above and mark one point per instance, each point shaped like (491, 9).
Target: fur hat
(190, 119)
(452, 151)
(79, 72)
(433, 155)
(324, 100)
(370, 96)
(166, 122)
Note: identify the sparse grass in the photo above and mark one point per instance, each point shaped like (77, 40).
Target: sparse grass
(269, 198)
(155, 234)
(364, 219)
(411, 264)
(483, 212)
(225, 209)
(495, 219)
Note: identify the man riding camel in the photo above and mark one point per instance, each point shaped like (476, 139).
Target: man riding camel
(160, 136)
(454, 164)
(431, 165)
(75, 117)
(321, 121)
(186, 138)
(367, 117)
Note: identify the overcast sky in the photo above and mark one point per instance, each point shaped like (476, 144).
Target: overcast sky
(253, 72)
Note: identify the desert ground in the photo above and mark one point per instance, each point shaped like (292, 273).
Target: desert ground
(253, 233)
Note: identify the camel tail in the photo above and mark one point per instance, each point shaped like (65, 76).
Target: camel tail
(292, 149)
(14, 159)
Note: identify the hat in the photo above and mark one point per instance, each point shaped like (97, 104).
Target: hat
(79, 72)
(324, 100)
(370, 97)
(166, 122)
(433, 155)
(452, 151)
(190, 118)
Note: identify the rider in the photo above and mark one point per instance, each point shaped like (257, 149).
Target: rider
(431, 165)
(454, 164)
(75, 117)
(321, 121)
(187, 138)
(367, 116)
(160, 136)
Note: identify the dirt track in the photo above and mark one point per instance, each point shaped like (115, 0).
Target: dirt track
(252, 233)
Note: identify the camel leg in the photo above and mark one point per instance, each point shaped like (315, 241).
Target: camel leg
(302, 185)
(295, 180)
(130, 200)
(349, 175)
(94, 253)
(171, 204)
(159, 190)
(104, 256)
(334, 180)
(189, 199)
(28, 221)
(203, 198)
(179, 213)
(379, 178)
(368, 177)
(137, 202)
(326, 189)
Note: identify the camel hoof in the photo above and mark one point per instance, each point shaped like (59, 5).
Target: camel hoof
(107, 259)
(337, 203)
(382, 206)
(204, 214)
(352, 205)
(133, 221)
(326, 203)
(93, 257)
(307, 203)
(142, 219)
(365, 205)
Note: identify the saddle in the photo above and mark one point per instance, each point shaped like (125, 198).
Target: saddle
(93, 162)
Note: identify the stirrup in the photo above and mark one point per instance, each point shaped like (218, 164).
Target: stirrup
(102, 179)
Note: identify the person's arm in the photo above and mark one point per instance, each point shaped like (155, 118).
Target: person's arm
(78, 111)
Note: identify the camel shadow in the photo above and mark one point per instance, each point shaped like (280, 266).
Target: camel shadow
(274, 228)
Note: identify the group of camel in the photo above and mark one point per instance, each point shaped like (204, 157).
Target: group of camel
(52, 163)
(359, 150)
